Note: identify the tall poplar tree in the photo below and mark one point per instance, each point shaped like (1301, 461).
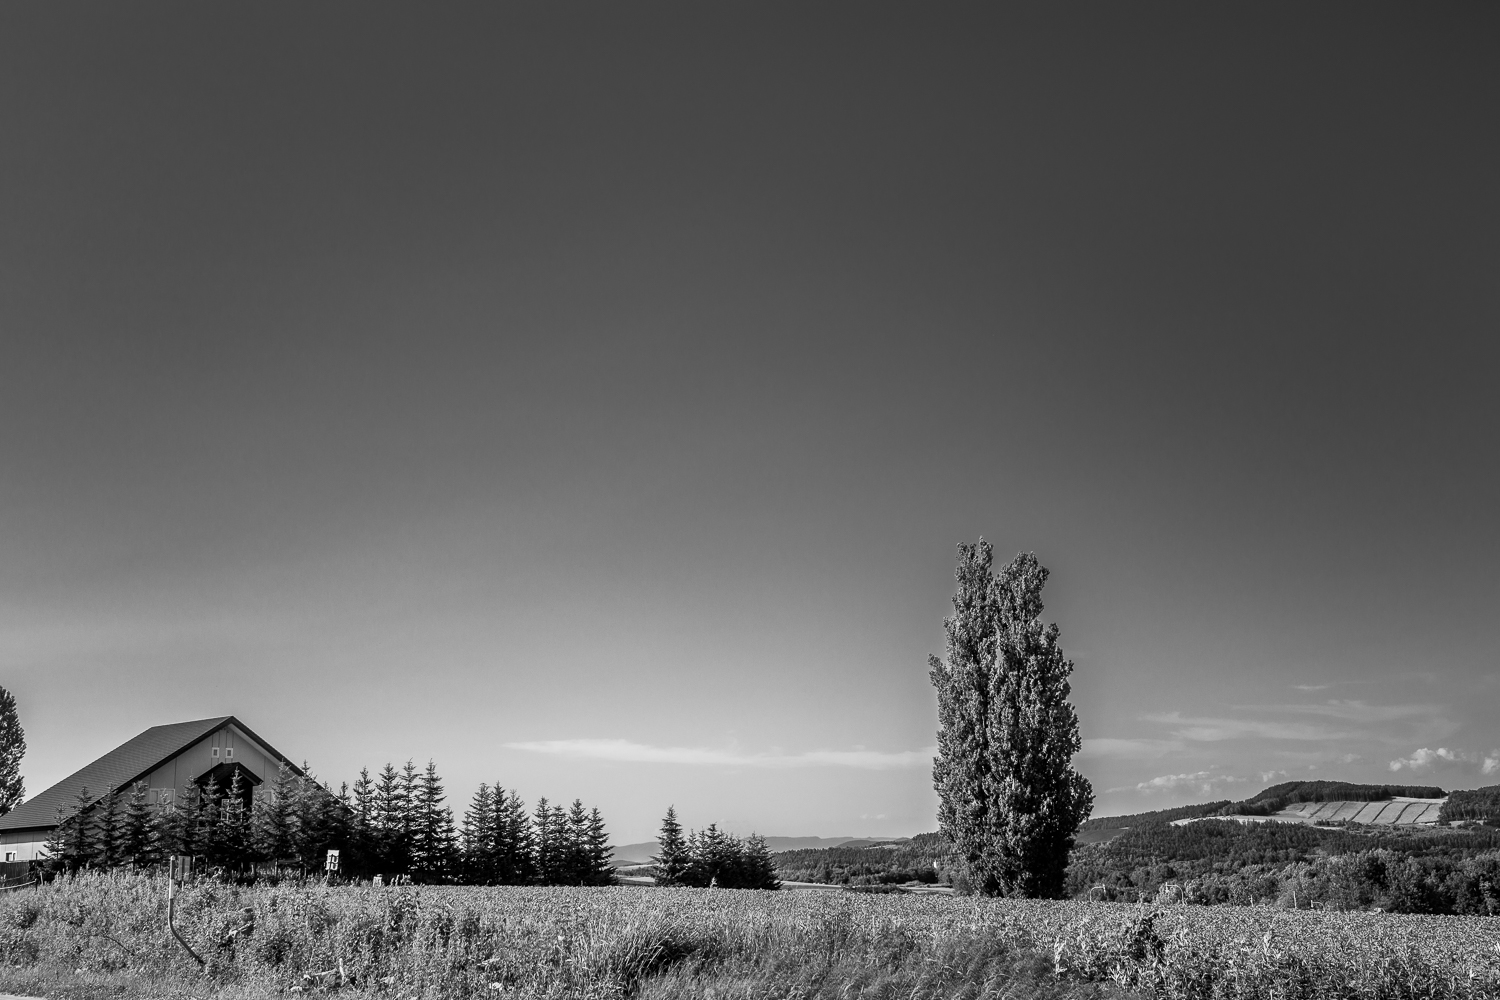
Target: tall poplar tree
(12, 749)
(1009, 799)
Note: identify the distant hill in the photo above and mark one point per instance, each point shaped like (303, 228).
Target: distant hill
(867, 863)
(1478, 805)
(1266, 803)
(640, 854)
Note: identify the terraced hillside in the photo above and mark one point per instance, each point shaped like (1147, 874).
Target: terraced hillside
(1396, 811)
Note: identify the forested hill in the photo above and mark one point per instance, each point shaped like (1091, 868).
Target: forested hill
(919, 859)
(1477, 805)
(1278, 797)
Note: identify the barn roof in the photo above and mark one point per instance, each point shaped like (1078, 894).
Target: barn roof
(122, 766)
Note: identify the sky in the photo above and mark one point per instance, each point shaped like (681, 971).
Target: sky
(590, 398)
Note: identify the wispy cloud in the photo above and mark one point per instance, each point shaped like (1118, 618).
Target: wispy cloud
(1198, 781)
(641, 753)
(1444, 759)
(1126, 749)
(1201, 729)
(1312, 687)
(1394, 725)
(1272, 775)
(1359, 711)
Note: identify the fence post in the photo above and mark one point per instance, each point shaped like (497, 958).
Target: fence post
(180, 866)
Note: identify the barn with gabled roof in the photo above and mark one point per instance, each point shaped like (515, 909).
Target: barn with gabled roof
(167, 758)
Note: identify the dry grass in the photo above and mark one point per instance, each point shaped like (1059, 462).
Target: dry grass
(103, 935)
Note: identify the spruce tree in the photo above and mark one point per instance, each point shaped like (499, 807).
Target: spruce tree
(12, 749)
(1009, 799)
(576, 864)
(272, 818)
(671, 859)
(81, 840)
(515, 842)
(315, 821)
(557, 822)
(363, 843)
(234, 836)
(74, 842)
(477, 836)
(174, 825)
(431, 828)
(107, 830)
(547, 845)
(390, 809)
(210, 831)
(601, 857)
(722, 853)
(136, 829)
(758, 867)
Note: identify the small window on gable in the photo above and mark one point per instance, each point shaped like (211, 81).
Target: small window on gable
(213, 751)
(10, 856)
(229, 753)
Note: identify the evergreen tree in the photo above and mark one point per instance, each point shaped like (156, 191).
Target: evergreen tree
(672, 859)
(363, 841)
(83, 839)
(12, 749)
(758, 870)
(272, 819)
(209, 829)
(1009, 799)
(562, 843)
(74, 841)
(577, 866)
(233, 837)
(721, 857)
(432, 829)
(319, 821)
(409, 799)
(515, 841)
(708, 852)
(137, 845)
(174, 823)
(107, 830)
(547, 843)
(390, 809)
(601, 861)
(478, 838)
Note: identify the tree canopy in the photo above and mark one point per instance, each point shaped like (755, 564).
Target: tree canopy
(1009, 798)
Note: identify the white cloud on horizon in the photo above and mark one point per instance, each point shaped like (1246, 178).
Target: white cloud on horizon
(1359, 711)
(1198, 781)
(1444, 759)
(1312, 687)
(1203, 729)
(641, 753)
(1398, 725)
(1130, 749)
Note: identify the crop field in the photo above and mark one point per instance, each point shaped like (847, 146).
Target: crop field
(103, 935)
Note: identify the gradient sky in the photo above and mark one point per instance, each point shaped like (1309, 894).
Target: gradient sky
(590, 398)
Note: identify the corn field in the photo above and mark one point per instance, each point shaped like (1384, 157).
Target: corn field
(298, 939)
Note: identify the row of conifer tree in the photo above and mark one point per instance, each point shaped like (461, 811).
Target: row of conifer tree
(394, 824)
(712, 857)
